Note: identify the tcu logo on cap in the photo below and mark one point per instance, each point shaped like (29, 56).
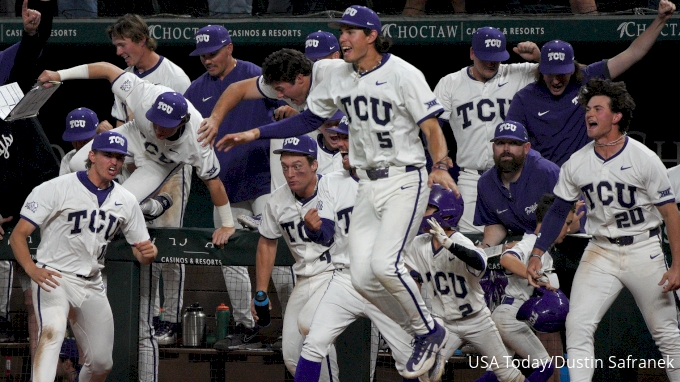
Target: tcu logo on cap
(77, 123)
(292, 140)
(311, 43)
(507, 126)
(165, 107)
(559, 56)
(202, 38)
(492, 42)
(350, 11)
(117, 140)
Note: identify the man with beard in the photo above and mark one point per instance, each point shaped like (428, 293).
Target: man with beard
(508, 193)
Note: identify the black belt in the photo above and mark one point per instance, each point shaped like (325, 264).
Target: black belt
(381, 173)
(74, 274)
(628, 240)
(480, 172)
(508, 300)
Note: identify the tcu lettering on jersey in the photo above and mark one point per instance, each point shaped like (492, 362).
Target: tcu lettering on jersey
(165, 107)
(485, 110)
(363, 109)
(605, 194)
(79, 219)
(443, 285)
(344, 215)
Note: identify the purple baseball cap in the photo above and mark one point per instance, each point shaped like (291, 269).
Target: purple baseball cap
(488, 44)
(342, 127)
(110, 142)
(209, 39)
(320, 44)
(81, 125)
(168, 111)
(359, 16)
(557, 57)
(303, 144)
(511, 130)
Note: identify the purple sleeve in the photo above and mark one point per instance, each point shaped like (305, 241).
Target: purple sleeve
(552, 223)
(324, 236)
(598, 69)
(516, 110)
(294, 126)
(483, 215)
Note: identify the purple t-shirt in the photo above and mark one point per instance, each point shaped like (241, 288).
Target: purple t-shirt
(244, 168)
(515, 208)
(556, 125)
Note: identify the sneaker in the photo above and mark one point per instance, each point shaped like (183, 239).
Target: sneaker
(167, 333)
(277, 346)
(252, 222)
(435, 373)
(242, 338)
(165, 200)
(425, 350)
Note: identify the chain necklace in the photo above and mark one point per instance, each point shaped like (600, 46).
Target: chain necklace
(361, 72)
(612, 143)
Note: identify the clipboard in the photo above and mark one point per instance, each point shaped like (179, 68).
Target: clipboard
(14, 105)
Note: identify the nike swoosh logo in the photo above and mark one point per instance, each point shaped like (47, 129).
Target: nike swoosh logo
(117, 204)
(332, 47)
(655, 256)
(205, 99)
(380, 83)
(625, 168)
(542, 113)
(501, 85)
(500, 212)
(367, 23)
(405, 187)
(451, 258)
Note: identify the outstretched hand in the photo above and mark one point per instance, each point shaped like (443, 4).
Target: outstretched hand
(438, 232)
(230, 140)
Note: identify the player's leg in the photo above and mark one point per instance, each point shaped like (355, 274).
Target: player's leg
(658, 309)
(146, 181)
(92, 325)
(147, 363)
(6, 278)
(52, 310)
(339, 306)
(467, 185)
(593, 291)
(517, 335)
(481, 332)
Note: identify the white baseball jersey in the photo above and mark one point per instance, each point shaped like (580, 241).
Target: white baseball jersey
(77, 221)
(337, 194)
(453, 286)
(328, 161)
(674, 177)
(164, 73)
(383, 129)
(621, 192)
(475, 108)
(518, 287)
(284, 216)
(320, 70)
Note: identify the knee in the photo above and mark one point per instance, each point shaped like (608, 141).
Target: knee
(101, 367)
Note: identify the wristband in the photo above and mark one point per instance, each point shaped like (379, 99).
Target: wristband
(79, 72)
(225, 215)
(440, 166)
(535, 255)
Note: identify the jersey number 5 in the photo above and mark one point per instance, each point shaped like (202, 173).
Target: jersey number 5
(384, 139)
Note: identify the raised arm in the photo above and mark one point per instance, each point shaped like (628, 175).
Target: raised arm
(97, 70)
(232, 96)
(641, 45)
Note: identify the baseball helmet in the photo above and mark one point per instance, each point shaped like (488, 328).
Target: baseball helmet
(450, 208)
(545, 313)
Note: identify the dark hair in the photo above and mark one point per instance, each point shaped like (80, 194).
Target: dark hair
(133, 27)
(310, 159)
(285, 65)
(620, 101)
(576, 77)
(544, 204)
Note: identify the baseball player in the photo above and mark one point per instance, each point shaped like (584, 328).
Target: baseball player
(244, 172)
(450, 267)
(549, 108)
(341, 304)
(627, 196)
(322, 45)
(284, 216)
(475, 100)
(387, 103)
(78, 214)
(517, 335)
(508, 194)
(130, 35)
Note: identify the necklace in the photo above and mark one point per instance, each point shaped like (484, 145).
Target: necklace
(366, 71)
(612, 143)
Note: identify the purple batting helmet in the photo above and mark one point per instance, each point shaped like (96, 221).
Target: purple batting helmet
(546, 313)
(450, 208)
